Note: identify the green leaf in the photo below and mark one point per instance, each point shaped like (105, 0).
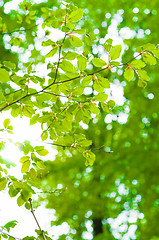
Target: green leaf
(85, 142)
(115, 52)
(51, 53)
(40, 164)
(70, 55)
(6, 123)
(148, 58)
(90, 158)
(49, 42)
(28, 111)
(44, 135)
(27, 206)
(70, 25)
(67, 66)
(32, 173)
(81, 63)
(108, 44)
(105, 107)
(100, 83)
(101, 97)
(147, 47)
(111, 103)
(4, 75)
(129, 74)
(76, 15)
(155, 52)
(86, 80)
(114, 63)
(13, 191)
(25, 166)
(77, 91)
(29, 68)
(24, 159)
(88, 40)
(9, 64)
(3, 182)
(75, 41)
(98, 62)
(80, 31)
(137, 64)
(20, 201)
(143, 75)
(42, 152)
(142, 83)
(16, 111)
(34, 119)
(94, 109)
(10, 225)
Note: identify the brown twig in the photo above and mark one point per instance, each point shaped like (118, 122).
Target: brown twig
(32, 211)
(68, 80)
(16, 238)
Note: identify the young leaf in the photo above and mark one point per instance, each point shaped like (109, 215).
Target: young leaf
(25, 167)
(4, 75)
(20, 201)
(51, 53)
(75, 41)
(42, 152)
(105, 107)
(155, 52)
(82, 63)
(98, 62)
(143, 75)
(70, 55)
(40, 164)
(90, 158)
(67, 66)
(129, 74)
(86, 80)
(76, 15)
(44, 135)
(147, 46)
(9, 64)
(148, 58)
(101, 97)
(10, 225)
(108, 44)
(94, 109)
(142, 83)
(6, 123)
(115, 52)
(24, 159)
(3, 183)
(138, 64)
(111, 103)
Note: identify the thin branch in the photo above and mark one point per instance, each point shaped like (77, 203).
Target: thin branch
(68, 80)
(16, 238)
(75, 145)
(32, 211)
(68, 97)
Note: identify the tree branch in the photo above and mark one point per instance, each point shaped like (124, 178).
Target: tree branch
(68, 80)
(32, 211)
(16, 238)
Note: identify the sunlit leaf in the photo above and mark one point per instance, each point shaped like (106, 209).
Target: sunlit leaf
(129, 74)
(4, 75)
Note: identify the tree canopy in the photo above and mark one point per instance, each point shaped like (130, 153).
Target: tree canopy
(64, 66)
